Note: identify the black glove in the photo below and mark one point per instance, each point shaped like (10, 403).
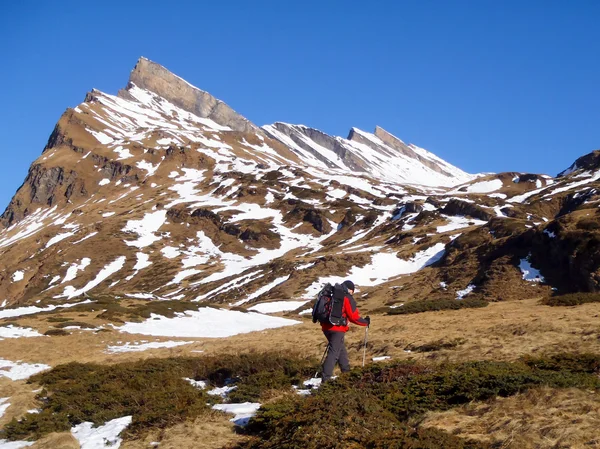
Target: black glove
(368, 320)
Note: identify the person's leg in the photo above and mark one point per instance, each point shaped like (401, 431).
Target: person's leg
(332, 354)
(343, 359)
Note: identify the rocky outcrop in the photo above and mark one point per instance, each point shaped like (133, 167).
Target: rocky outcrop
(393, 142)
(155, 78)
(462, 208)
(303, 212)
(43, 187)
(590, 161)
(305, 138)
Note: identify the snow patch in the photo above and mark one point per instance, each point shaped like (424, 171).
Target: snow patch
(206, 323)
(11, 331)
(104, 274)
(5, 444)
(139, 347)
(101, 437)
(75, 268)
(243, 412)
(20, 370)
(145, 228)
(462, 293)
(263, 290)
(277, 306)
(485, 186)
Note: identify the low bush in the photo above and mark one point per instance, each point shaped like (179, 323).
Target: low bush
(572, 299)
(58, 319)
(74, 323)
(56, 333)
(588, 224)
(427, 305)
(153, 391)
(436, 345)
(371, 407)
(111, 308)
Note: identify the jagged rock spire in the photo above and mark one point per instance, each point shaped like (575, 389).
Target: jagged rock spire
(156, 78)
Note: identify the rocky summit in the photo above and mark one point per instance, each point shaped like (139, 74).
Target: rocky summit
(165, 192)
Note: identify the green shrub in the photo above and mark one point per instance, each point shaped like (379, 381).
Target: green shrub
(58, 319)
(370, 407)
(426, 305)
(436, 345)
(112, 310)
(74, 323)
(572, 299)
(153, 391)
(56, 333)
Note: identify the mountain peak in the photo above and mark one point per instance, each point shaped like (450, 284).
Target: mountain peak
(388, 137)
(151, 76)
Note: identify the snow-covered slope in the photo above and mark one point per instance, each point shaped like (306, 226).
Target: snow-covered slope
(380, 155)
(164, 192)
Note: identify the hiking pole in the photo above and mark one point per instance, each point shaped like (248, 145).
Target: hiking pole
(322, 360)
(365, 347)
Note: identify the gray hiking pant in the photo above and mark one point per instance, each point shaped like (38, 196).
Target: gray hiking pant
(336, 354)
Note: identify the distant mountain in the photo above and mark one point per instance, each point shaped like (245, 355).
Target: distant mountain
(164, 191)
(380, 155)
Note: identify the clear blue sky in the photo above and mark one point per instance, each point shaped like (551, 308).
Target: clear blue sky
(488, 85)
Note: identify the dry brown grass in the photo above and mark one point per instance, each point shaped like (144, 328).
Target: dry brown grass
(540, 418)
(57, 441)
(213, 432)
(21, 398)
(501, 331)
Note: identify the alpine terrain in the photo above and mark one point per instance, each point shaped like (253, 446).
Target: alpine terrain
(161, 222)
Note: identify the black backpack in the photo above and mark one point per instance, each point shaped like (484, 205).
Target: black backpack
(329, 306)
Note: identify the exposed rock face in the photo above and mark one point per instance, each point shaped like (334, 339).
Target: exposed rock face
(380, 155)
(397, 144)
(462, 208)
(590, 161)
(43, 187)
(306, 137)
(155, 78)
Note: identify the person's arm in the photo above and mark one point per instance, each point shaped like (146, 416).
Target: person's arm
(352, 312)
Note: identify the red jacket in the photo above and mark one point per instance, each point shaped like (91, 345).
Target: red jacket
(350, 312)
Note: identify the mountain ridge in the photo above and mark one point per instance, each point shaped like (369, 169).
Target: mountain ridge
(135, 195)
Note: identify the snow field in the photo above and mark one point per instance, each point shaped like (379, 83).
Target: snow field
(11, 331)
(206, 323)
(277, 306)
(383, 266)
(105, 273)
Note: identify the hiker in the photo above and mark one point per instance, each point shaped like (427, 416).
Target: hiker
(335, 334)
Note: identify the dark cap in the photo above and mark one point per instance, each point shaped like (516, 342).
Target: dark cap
(349, 285)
